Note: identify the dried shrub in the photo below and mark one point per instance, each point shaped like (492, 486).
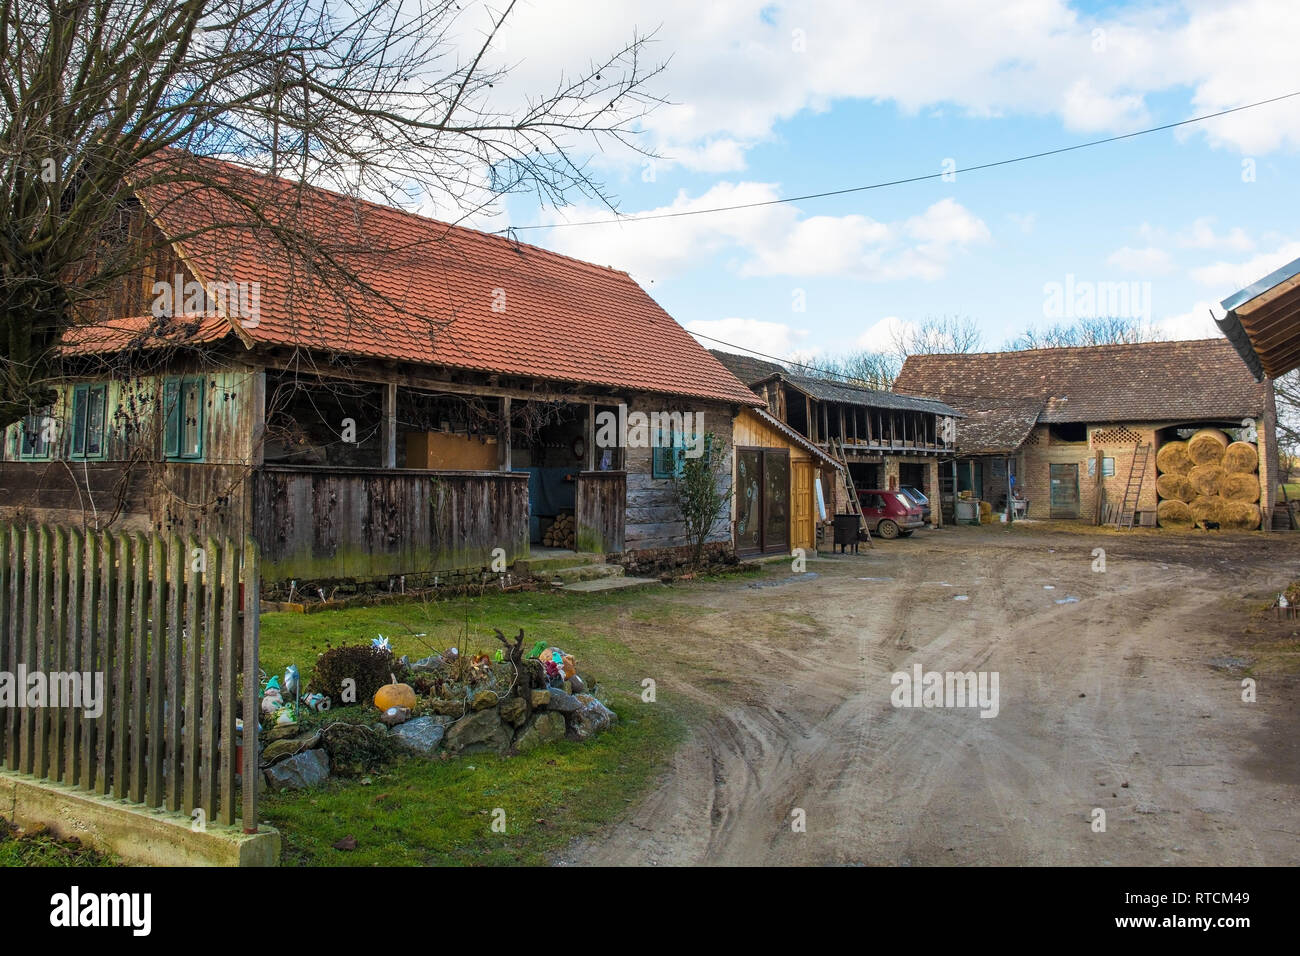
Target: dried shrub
(369, 666)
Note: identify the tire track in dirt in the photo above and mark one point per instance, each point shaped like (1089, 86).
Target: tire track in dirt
(813, 728)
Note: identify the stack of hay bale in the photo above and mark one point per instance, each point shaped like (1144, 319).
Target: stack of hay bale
(1208, 480)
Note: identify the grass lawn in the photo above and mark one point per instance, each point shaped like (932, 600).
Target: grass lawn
(420, 812)
(42, 849)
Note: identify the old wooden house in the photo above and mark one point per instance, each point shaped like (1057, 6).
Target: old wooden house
(886, 439)
(442, 399)
(1071, 426)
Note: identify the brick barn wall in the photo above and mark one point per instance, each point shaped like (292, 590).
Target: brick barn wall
(1113, 441)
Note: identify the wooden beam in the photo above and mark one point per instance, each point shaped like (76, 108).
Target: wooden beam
(388, 436)
(504, 435)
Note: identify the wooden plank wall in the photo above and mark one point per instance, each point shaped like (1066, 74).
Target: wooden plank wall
(323, 524)
(601, 511)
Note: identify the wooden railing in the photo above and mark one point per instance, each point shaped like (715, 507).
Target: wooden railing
(151, 627)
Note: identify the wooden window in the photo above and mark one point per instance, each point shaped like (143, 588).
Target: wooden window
(183, 418)
(36, 439)
(669, 454)
(89, 412)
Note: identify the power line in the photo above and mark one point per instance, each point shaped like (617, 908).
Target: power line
(911, 179)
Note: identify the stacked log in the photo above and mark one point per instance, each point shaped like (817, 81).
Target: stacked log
(1208, 481)
(561, 532)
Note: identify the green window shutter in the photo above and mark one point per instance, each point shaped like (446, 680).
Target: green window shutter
(172, 416)
(192, 418)
(96, 413)
(79, 403)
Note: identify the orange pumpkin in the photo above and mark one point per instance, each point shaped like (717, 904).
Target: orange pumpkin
(395, 695)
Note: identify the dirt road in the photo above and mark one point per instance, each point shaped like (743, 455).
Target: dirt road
(1127, 700)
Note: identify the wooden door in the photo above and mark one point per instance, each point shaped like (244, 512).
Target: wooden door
(1065, 490)
(804, 526)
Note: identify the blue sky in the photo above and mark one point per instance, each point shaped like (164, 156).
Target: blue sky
(776, 100)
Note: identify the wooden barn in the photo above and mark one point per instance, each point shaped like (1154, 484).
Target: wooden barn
(886, 440)
(468, 399)
(1102, 433)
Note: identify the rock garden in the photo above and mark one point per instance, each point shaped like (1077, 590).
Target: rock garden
(363, 708)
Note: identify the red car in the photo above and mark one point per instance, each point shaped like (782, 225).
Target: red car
(890, 514)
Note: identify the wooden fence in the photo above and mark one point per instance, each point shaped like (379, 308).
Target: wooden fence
(156, 620)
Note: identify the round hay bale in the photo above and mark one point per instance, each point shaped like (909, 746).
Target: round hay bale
(1241, 456)
(1207, 446)
(1175, 487)
(1173, 513)
(1172, 458)
(1206, 479)
(1241, 515)
(1208, 508)
(1238, 486)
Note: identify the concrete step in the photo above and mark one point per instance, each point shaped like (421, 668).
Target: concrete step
(585, 572)
(543, 564)
(608, 584)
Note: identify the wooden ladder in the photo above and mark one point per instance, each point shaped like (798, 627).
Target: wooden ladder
(855, 505)
(1133, 489)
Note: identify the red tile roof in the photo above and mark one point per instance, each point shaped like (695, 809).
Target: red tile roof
(1147, 381)
(429, 293)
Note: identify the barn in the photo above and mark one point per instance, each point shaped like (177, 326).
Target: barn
(1091, 433)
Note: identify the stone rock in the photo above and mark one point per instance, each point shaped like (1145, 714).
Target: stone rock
(431, 663)
(422, 736)
(512, 710)
(564, 703)
(280, 749)
(483, 700)
(481, 732)
(447, 708)
(545, 727)
(578, 684)
(591, 718)
(394, 716)
(282, 732)
(311, 768)
(541, 698)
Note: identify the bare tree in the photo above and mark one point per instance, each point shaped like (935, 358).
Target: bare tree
(937, 335)
(1286, 391)
(1106, 330)
(878, 369)
(376, 98)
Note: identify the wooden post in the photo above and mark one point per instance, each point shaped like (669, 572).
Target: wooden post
(503, 435)
(230, 641)
(176, 564)
(591, 436)
(211, 679)
(252, 639)
(192, 793)
(1098, 490)
(390, 425)
(157, 667)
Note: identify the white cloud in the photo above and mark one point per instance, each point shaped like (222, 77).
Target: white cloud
(735, 71)
(882, 335)
(769, 338)
(772, 240)
(1201, 235)
(1150, 261)
(1228, 277)
(1024, 222)
(1196, 323)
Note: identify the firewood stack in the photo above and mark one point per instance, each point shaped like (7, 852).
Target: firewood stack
(560, 533)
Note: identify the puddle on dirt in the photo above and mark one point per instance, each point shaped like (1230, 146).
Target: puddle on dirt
(960, 597)
(875, 579)
(1067, 600)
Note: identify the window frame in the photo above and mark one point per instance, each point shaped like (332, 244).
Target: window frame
(173, 436)
(83, 395)
(47, 451)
